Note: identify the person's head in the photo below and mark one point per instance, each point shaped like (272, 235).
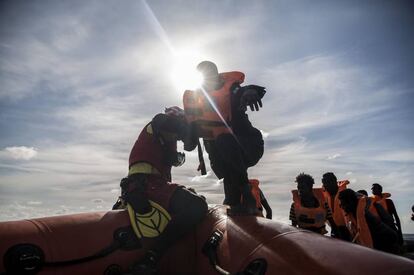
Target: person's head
(211, 77)
(174, 122)
(349, 200)
(208, 69)
(305, 184)
(330, 182)
(168, 128)
(376, 189)
(363, 192)
(412, 215)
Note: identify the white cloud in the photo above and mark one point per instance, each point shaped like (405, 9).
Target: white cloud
(34, 203)
(335, 156)
(21, 152)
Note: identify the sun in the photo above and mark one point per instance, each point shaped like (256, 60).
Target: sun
(184, 74)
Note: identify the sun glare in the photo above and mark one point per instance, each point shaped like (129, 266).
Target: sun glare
(184, 74)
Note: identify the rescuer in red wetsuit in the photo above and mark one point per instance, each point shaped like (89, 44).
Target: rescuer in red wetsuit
(217, 113)
(148, 187)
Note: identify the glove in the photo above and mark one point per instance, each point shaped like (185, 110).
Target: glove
(252, 96)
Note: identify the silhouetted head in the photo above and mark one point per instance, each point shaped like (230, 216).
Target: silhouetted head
(412, 215)
(211, 77)
(208, 69)
(349, 200)
(330, 182)
(376, 189)
(363, 192)
(305, 184)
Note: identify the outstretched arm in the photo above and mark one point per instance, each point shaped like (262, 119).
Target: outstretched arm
(393, 213)
(190, 139)
(330, 219)
(251, 95)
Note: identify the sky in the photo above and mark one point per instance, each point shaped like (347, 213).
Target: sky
(80, 79)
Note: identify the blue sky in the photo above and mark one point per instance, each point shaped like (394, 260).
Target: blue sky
(79, 79)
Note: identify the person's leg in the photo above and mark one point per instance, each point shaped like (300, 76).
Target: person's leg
(236, 180)
(221, 170)
(252, 148)
(231, 191)
(216, 162)
(187, 210)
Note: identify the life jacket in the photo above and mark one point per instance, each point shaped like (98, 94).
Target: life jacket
(149, 149)
(310, 217)
(381, 200)
(358, 227)
(254, 184)
(337, 212)
(211, 120)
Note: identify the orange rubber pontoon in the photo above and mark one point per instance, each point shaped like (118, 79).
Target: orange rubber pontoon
(248, 244)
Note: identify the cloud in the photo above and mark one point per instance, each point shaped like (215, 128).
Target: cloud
(97, 84)
(34, 203)
(21, 152)
(335, 156)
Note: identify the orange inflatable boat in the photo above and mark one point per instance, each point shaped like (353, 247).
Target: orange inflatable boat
(103, 243)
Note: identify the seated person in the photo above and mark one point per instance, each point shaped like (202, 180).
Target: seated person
(388, 205)
(332, 188)
(309, 209)
(365, 224)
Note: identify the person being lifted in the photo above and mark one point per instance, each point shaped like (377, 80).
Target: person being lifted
(216, 112)
(309, 209)
(332, 188)
(387, 203)
(148, 193)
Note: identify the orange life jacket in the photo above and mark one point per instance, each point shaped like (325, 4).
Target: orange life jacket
(337, 212)
(381, 200)
(358, 226)
(310, 217)
(254, 183)
(211, 120)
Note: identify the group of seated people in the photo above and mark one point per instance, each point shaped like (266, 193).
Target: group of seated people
(370, 221)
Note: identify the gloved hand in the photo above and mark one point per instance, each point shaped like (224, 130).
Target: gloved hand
(252, 96)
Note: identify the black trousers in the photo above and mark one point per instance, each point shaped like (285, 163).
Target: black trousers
(187, 210)
(230, 157)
